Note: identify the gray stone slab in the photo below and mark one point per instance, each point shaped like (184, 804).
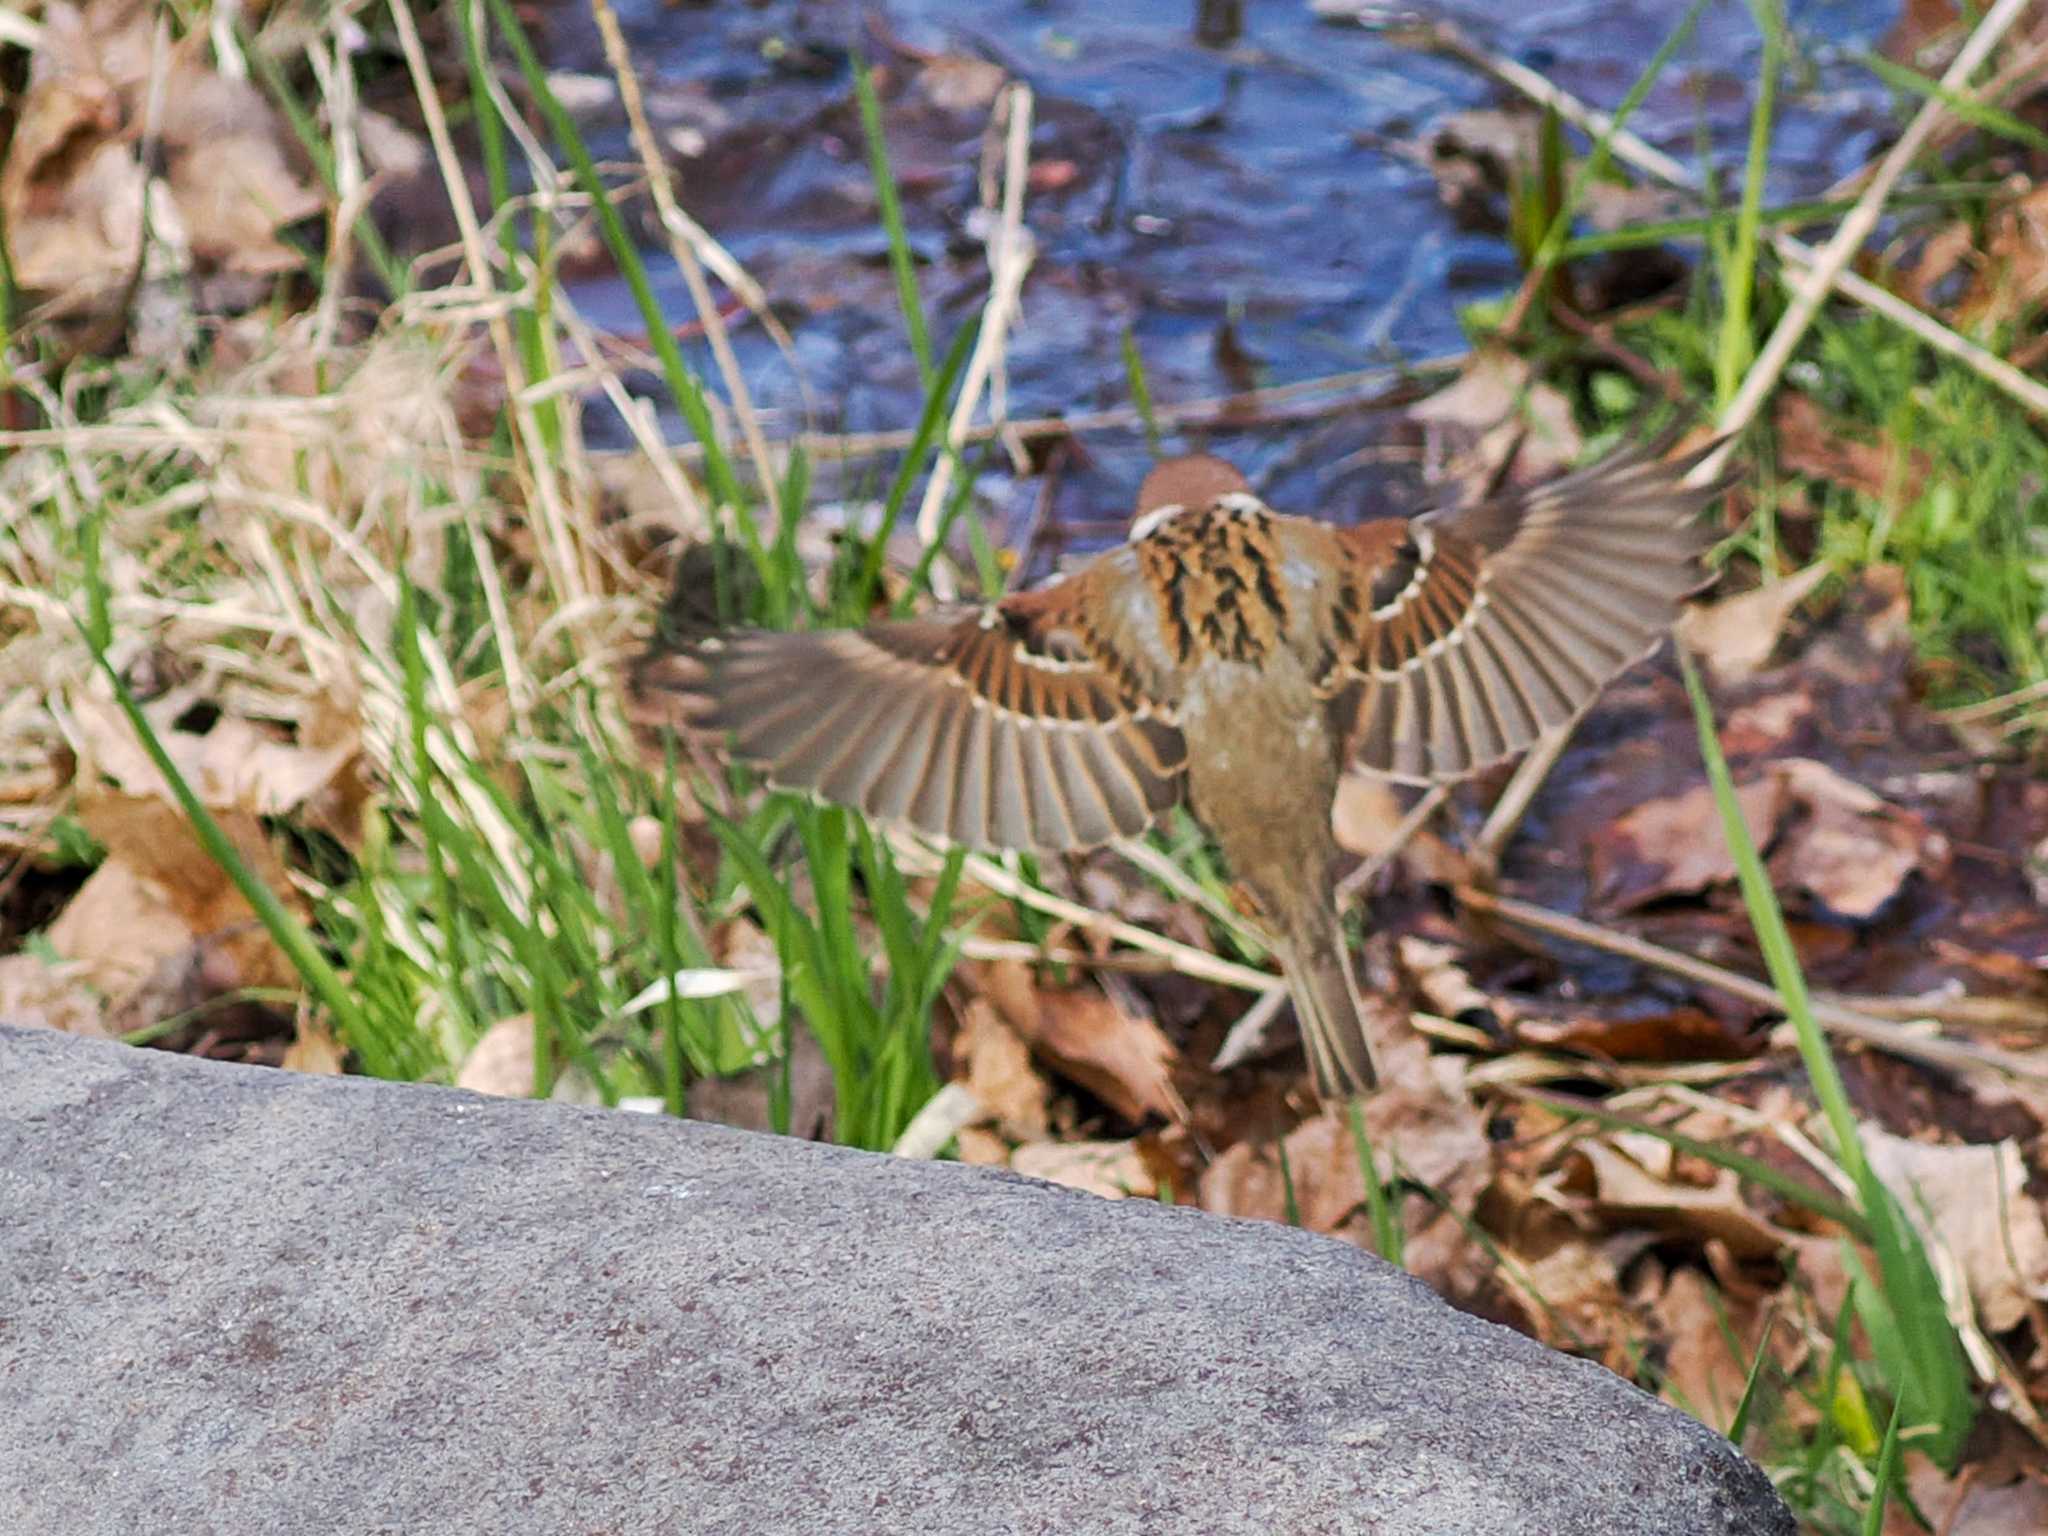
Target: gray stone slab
(242, 1301)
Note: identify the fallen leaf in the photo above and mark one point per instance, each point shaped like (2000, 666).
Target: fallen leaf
(228, 174)
(1972, 1504)
(43, 994)
(1676, 846)
(1365, 816)
(1701, 1373)
(2011, 272)
(982, 1147)
(315, 1049)
(71, 190)
(1421, 1125)
(1974, 1202)
(1639, 1027)
(1765, 725)
(1124, 1060)
(1000, 1074)
(1624, 1189)
(1844, 845)
(501, 1061)
(954, 83)
(1736, 636)
(1496, 406)
(1571, 1293)
(159, 892)
(1851, 849)
(1112, 1169)
(747, 1098)
(1815, 444)
(1446, 988)
(236, 766)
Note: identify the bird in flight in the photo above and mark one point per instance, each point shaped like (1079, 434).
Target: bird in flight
(1234, 660)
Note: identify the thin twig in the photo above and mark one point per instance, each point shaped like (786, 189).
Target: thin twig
(1351, 885)
(1010, 252)
(1184, 958)
(2022, 68)
(1831, 1015)
(1247, 1038)
(1178, 881)
(1119, 961)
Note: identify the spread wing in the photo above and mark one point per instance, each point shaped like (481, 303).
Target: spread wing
(1005, 727)
(1471, 631)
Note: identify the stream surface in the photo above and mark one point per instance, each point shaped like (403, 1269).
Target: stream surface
(1251, 215)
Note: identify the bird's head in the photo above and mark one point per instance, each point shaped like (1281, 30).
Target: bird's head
(1190, 483)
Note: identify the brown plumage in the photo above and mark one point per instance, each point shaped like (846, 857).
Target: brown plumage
(1232, 659)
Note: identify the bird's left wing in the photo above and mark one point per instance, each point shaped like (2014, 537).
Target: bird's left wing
(1001, 727)
(1461, 636)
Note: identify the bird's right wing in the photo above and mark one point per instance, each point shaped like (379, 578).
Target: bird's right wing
(997, 728)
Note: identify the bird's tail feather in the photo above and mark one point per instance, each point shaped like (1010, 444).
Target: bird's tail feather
(1324, 987)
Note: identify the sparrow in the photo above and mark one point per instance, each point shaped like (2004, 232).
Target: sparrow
(1233, 660)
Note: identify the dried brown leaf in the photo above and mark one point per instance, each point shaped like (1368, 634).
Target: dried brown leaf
(1813, 443)
(1000, 1074)
(71, 190)
(1974, 1202)
(236, 766)
(1736, 636)
(1972, 1505)
(1421, 1125)
(40, 994)
(228, 173)
(1124, 1060)
(1702, 1374)
(501, 1061)
(1624, 1189)
(314, 1049)
(1676, 847)
(1851, 849)
(1446, 988)
(1112, 1169)
(159, 892)
(1495, 406)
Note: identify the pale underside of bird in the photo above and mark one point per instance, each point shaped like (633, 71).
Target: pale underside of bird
(1233, 660)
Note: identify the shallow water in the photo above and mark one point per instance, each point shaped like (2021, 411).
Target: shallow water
(1252, 215)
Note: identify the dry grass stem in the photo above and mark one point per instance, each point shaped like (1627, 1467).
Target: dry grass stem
(1354, 884)
(1011, 250)
(1189, 889)
(915, 855)
(1832, 1016)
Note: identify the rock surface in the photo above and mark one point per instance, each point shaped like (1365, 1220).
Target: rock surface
(236, 1300)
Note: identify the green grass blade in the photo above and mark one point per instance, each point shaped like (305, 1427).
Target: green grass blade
(1141, 390)
(937, 396)
(1887, 1474)
(1738, 1426)
(1737, 341)
(1977, 113)
(1905, 1316)
(890, 204)
(683, 388)
(1596, 164)
(1388, 1240)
